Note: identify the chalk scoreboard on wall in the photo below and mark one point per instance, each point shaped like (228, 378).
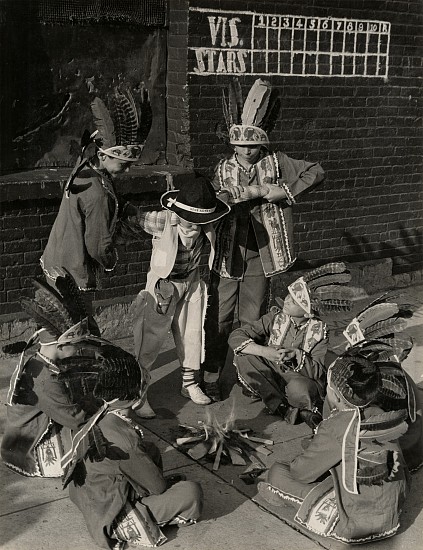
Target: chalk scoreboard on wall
(244, 42)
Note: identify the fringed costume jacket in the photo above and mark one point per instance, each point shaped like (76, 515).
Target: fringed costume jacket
(362, 498)
(271, 223)
(34, 438)
(81, 239)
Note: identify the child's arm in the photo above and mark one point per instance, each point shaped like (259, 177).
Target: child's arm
(313, 362)
(323, 453)
(53, 400)
(298, 175)
(253, 336)
(235, 194)
(98, 238)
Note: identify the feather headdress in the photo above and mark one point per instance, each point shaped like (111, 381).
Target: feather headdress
(119, 128)
(381, 321)
(61, 316)
(376, 333)
(112, 374)
(323, 289)
(246, 121)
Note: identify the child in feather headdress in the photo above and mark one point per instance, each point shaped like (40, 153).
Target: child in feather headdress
(83, 234)
(115, 476)
(351, 482)
(378, 330)
(280, 357)
(40, 410)
(255, 241)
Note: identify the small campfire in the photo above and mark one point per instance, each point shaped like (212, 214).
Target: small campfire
(210, 438)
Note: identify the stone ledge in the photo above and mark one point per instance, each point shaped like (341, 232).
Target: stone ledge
(371, 275)
(48, 183)
(114, 316)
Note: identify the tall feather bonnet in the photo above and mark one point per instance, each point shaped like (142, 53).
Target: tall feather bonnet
(120, 128)
(246, 121)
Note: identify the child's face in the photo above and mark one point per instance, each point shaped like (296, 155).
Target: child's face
(114, 166)
(290, 307)
(187, 225)
(248, 153)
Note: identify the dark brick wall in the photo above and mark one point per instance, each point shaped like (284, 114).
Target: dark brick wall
(178, 124)
(366, 133)
(28, 210)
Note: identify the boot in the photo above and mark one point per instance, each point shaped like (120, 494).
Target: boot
(145, 411)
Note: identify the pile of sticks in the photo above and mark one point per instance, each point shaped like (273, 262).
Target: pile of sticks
(239, 446)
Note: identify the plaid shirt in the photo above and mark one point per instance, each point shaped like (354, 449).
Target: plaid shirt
(186, 259)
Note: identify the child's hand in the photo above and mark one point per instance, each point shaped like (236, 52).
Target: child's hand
(274, 354)
(275, 193)
(289, 354)
(234, 191)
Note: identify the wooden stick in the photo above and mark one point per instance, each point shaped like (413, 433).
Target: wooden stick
(183, 440)
(236, 457)
(260, 440)
(199, 450)
(218, 456)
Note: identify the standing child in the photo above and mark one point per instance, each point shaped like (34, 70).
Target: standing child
(115, 477)
(175, 297)
(256, 240)
(351, 482)
(280, 357)
(82, 239)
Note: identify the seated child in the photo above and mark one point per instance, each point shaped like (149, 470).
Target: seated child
(175, 297)
(118, 483)
(351, 482)
(381, 324)
(280, 357)
(40, 412)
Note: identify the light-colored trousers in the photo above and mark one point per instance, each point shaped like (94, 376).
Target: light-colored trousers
(185, 317)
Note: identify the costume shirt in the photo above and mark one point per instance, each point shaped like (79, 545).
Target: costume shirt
(187, 258)
(257, 224)
(41, 404)
(276, 328)
(81, 239)
(373, 511)
(130, 463)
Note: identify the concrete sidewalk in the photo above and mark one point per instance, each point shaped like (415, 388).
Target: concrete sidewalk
(36, 514)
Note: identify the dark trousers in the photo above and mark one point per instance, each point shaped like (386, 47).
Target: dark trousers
(275, 387)
(230, 300)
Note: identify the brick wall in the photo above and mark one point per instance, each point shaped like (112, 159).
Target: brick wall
(178, 123)
(366, 133)
(29, 209)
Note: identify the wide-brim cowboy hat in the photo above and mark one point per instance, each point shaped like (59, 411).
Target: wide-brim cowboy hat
(195, 202)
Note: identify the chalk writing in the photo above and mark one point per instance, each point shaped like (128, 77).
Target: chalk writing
(288, 45)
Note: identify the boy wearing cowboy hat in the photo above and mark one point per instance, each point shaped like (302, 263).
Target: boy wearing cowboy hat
(175, 297)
